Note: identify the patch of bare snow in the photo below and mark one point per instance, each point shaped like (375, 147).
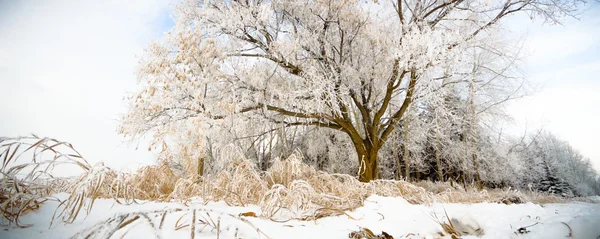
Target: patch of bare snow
(394, 216)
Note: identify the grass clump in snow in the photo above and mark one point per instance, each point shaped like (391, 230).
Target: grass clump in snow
(26, 185)
(288, 189)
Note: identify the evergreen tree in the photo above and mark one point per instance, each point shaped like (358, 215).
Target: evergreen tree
(553, 184)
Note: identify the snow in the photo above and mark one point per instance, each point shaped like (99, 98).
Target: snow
(395, 216)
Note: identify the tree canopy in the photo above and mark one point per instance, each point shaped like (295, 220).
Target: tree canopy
(229, 68)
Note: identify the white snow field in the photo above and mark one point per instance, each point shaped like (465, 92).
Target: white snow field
(395, 216)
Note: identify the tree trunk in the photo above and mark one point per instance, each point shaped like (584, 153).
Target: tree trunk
(398, 175)
(438, 161)
(476, 168)
(367, 161)
(406, 151)
(473, 137)
(200, 169)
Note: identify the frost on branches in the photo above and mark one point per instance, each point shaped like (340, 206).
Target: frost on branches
(239, 72)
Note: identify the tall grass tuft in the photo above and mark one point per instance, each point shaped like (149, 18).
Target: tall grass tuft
(26, 184)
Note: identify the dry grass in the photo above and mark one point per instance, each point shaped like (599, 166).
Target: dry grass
(445, 193)
(153, 182)
(188, 220)
(25, 185)
(447, 226)
(289, 189)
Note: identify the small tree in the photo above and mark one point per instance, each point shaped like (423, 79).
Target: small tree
(347, 65)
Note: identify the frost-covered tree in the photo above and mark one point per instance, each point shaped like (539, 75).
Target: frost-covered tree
(459, 120)
(228, 68)
(550, 164)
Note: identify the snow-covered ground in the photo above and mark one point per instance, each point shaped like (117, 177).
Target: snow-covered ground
(395, 216)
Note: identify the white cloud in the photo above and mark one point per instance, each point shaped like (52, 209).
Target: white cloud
(65, 66)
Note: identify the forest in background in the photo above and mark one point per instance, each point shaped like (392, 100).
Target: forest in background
(411, 90)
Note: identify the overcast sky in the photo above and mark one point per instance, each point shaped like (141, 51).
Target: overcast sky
(66, 65)
(564, 63)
